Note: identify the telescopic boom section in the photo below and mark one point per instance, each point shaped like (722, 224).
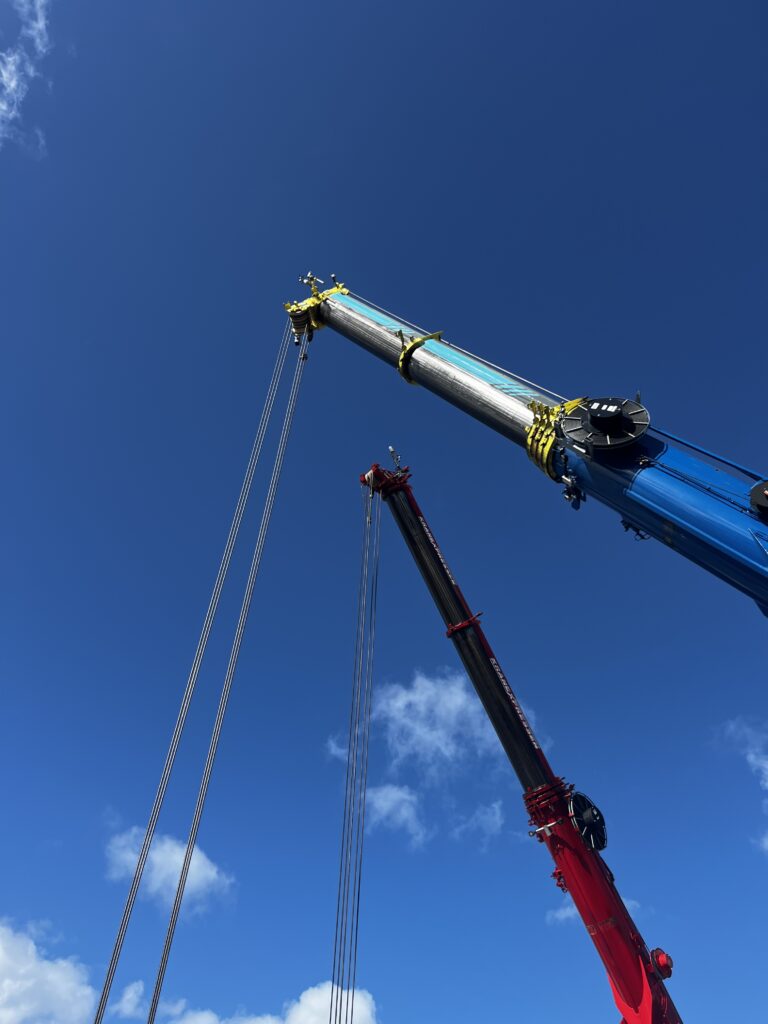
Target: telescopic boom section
(707, 508)
(567, 822)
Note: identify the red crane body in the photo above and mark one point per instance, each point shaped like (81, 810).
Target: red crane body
(567, 822)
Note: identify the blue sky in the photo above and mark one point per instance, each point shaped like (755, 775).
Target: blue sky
(576, 192)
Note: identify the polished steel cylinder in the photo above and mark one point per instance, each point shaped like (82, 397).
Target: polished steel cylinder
(490, 394)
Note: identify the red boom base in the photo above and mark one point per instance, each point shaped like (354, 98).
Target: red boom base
(636, 973)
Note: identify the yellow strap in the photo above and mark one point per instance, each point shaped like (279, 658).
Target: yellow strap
(409, 347)
(541, 437)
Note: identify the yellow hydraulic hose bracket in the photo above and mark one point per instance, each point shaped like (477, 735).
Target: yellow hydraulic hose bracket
(303, 314)
(567, 407)
(542, 434)
(409, 347)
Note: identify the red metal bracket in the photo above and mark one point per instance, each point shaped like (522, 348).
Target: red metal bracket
(462, 625)
(385, 482)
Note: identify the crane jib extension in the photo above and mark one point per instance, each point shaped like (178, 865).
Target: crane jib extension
(709, 509)
(567, 822)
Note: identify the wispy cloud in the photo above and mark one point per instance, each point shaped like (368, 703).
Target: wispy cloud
(484, 823)
(434, 723)
(19, 63)
(751, 740)
(43, 933)
(335, 750)
(131, 1004)
(34, 23)
(163, 868)
(567, 910)
(396, 808)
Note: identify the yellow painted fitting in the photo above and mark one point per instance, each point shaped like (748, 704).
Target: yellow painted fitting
(303, 314)
(409, 347)
(540, 440)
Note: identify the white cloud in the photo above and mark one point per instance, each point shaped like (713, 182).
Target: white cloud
(130, 1005)
(163, 868)
(335, 749)
(752, 741)
(312, 1007)
(34, 23)
(174, 1009)
(566, 912)
(42, 932)
(435, 722)
(396, 807)
(38, 990)
(18, 63)
(485, 822)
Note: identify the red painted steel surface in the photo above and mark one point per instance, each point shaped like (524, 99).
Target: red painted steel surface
(635, 973)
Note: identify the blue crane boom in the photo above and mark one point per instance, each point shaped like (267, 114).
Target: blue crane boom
(709, 509)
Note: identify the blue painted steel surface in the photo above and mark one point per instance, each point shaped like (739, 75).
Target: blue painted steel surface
(694, 502)
(692, 506)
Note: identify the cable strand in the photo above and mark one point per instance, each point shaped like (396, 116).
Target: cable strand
(194, 671)
(343, 863)
(227, 685)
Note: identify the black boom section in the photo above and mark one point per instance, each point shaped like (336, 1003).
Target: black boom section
(492, 688)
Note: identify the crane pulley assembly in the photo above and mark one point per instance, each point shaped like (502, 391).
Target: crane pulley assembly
(567, 822)
(709, 509)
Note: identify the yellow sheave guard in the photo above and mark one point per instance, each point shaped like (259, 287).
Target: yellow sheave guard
(302, 313)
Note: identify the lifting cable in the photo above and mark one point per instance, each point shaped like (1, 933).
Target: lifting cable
(195, 669)
(345, 943)
(231, 666)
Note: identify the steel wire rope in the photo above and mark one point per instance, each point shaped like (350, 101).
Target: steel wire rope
(227, 685)
(341, 1007)
(195, 669)
(358, 823)
(338, 943)
(352, 775)
(354, 795)
(368, 708)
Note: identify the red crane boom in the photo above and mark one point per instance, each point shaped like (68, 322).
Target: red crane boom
(567, 822)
